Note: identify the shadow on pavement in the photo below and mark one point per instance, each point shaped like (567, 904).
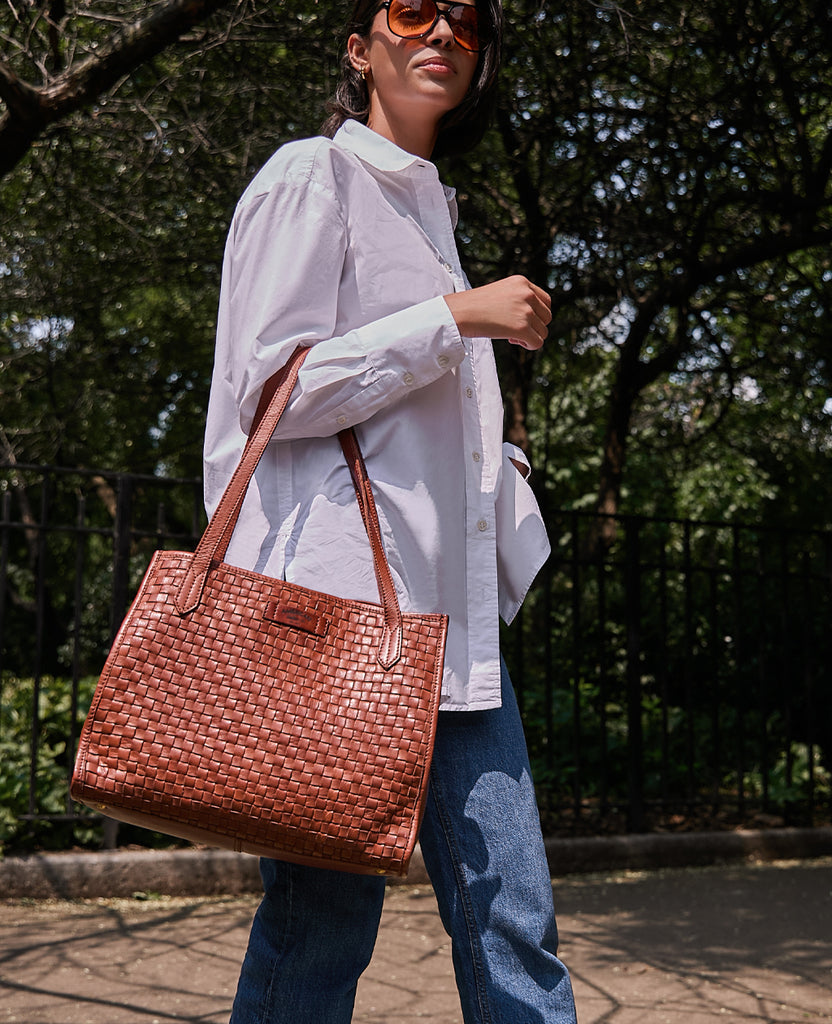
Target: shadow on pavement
(744, 943)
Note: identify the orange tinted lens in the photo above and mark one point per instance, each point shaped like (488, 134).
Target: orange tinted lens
(464, 24)
(411, 18)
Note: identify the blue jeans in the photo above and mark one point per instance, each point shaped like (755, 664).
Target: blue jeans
(315, 929)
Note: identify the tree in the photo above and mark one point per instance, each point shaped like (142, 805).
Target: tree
(663, 167)
(659, 162)
(78, 56)
(114, 225)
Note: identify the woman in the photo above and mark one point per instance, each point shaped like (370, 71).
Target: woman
(344, 244)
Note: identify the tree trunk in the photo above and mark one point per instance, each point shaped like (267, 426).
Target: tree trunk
(517, 381)
(611, 473)
(630, 378)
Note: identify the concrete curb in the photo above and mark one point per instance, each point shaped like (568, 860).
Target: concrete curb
(191, 872)
(685, 849)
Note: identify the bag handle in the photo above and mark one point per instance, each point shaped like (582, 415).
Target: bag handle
(390, 649)
(214, 542)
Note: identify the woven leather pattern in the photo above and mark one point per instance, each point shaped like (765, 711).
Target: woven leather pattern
(247, 712)
(263, 721)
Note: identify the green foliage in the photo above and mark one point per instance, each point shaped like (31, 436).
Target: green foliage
(45, 817)
(652, 159)
(664, 169)
(113, 231)
(691, 661)
(795, 770)
(660, 166)
(53, 762)
(59, 581)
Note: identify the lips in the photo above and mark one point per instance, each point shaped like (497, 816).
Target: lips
(437, 64)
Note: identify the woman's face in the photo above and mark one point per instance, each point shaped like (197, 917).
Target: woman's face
(413, 80)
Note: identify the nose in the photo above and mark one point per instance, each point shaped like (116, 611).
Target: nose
(441, 34)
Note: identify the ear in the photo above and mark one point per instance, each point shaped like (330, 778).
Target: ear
(358, 51)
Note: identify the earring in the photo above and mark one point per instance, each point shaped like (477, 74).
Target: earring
(363, 73)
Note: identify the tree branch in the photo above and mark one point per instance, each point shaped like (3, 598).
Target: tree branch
(684, 286)
(633, 374)
(21, 99)
(30, 110)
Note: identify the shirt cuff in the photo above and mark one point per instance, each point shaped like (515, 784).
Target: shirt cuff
(413, 347)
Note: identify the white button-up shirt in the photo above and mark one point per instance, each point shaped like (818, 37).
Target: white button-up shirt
(346, 246)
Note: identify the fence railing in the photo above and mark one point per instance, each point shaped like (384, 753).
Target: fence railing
(680, 677)
(676, 678)
(74, 545)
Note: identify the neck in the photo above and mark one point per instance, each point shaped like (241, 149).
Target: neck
(408, 134)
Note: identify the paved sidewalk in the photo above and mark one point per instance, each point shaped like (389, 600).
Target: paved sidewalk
(749, 943)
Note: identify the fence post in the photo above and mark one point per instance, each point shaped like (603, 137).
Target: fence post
(740, 659)
(121, 583)
(575, 570)
(635, 736)
(5, 519)
(121, 552)
(77, 621)
(39, 565)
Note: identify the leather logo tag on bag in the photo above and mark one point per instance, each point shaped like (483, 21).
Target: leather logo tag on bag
(296, 618)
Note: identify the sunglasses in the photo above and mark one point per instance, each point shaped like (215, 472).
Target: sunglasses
(412, 19)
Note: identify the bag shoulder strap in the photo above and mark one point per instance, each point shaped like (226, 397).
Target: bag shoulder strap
(214, 542)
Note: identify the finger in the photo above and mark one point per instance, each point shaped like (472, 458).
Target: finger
(541, 295)
(541, 330)
(531, 338)
(532, 315)
(541, 314)
(538, 330)
(541, 292)
(531, 344)
(542, 306)
(535, 300)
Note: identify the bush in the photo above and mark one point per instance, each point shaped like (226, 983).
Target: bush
(20, 827)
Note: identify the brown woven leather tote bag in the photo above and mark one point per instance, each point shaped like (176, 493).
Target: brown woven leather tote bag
(250, 713)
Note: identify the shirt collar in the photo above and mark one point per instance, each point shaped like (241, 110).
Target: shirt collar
(374, 149)
(386, 156)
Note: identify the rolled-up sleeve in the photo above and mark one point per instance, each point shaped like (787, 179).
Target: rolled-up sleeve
(284, 263)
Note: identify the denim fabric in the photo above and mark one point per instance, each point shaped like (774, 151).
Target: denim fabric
(314, 932)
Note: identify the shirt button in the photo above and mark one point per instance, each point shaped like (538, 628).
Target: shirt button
(442, 360)
(448, 267)
(476, 456)
(469, 392)
(342, 420)
(482, 525)
(408, 378)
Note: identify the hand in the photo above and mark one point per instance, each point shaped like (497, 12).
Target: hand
(512, 308)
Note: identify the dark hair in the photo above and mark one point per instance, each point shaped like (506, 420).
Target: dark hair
(461, 128)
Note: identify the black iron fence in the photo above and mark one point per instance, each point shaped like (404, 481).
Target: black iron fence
(74, 545)
(680, 677)
(675, 677)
